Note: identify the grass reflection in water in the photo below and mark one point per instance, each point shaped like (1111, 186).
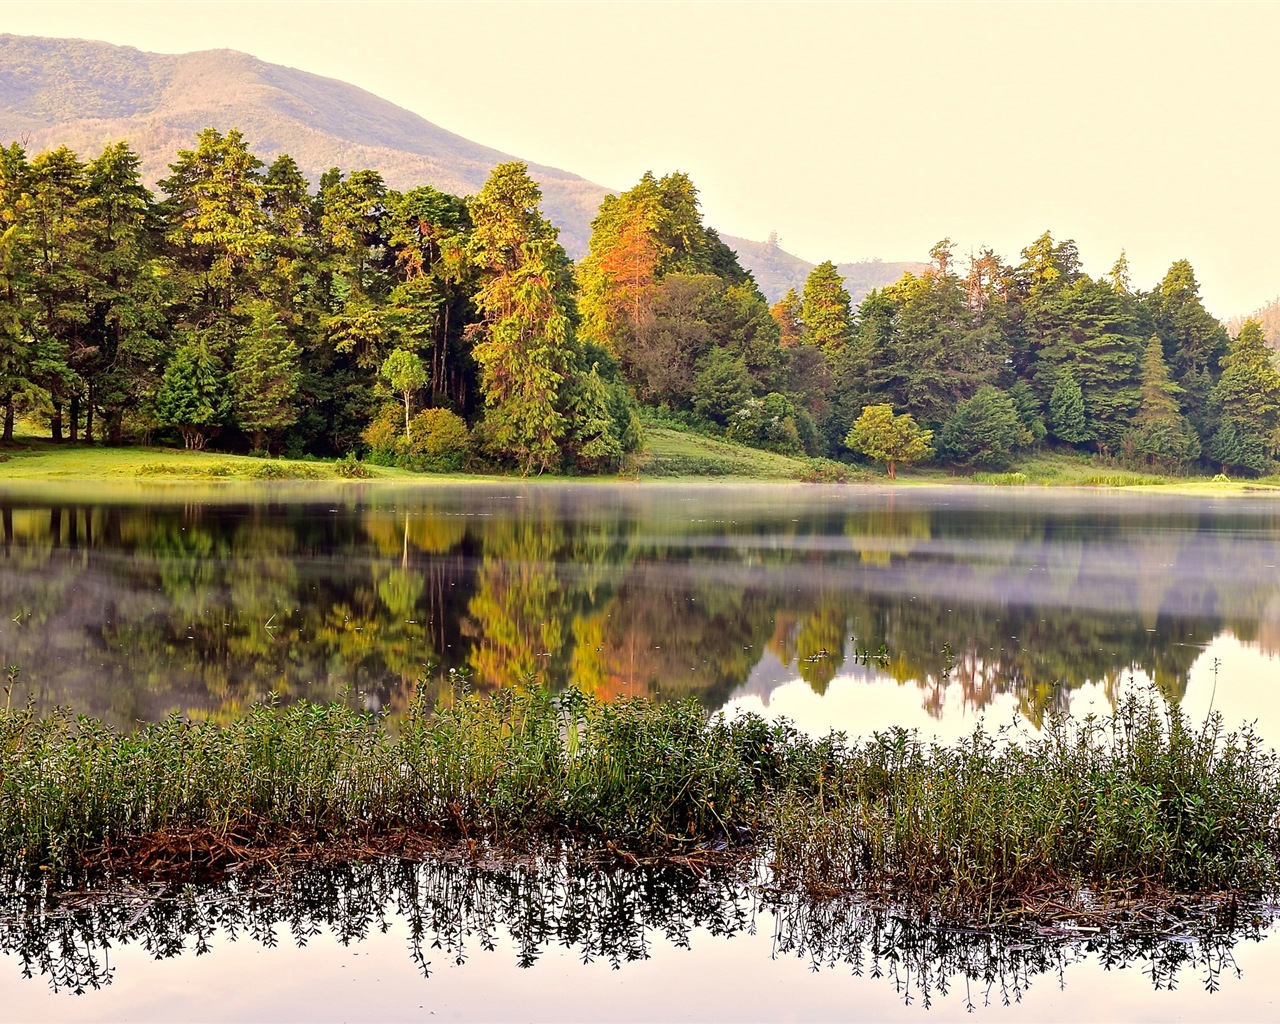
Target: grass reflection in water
(452, 909)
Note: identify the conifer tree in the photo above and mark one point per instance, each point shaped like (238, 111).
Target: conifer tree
(525, 343)
(192, 397)
(1160, 434)
(264, 376)
(1066, 411)
(825, 312)
(1248, 392)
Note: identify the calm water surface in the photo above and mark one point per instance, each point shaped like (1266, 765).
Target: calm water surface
(843, 607)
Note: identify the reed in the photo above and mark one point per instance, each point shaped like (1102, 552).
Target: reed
(1086, 809)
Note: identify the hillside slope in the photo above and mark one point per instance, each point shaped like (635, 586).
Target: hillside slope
(85, 94)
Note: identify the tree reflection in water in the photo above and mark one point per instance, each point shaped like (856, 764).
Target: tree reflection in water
(131, 610)
(616, 916)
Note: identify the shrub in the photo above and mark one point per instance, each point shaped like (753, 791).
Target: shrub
(439, 440)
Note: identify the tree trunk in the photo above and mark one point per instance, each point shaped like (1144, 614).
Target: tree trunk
(893, 470)
(55, 422)
(88, 419)
(8, 420)
(115, 427)
(75, 418)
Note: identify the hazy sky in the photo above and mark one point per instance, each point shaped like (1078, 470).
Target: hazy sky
(854, 130)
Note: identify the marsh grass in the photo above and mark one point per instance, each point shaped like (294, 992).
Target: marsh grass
(1087, 810)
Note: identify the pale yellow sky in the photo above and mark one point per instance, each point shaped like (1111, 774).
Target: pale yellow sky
(853, 129)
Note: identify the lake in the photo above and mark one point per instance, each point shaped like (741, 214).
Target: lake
(838, 607)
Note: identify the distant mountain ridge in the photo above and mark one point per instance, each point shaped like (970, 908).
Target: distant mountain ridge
(85, 94)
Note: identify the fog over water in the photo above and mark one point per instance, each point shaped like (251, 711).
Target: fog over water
(840, 607)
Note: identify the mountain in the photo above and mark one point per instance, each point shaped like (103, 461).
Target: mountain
(85, 94)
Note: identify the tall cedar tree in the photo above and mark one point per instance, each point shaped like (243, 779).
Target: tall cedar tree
(825, 312)
(264, 376)
(524, 343)
(1248, 393)
(1159, 432)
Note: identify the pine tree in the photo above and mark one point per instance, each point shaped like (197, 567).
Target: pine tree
(264, 376)
(983, 431)
(192, 396)
(1248, 391)
(1066, 411)
(825, 312)
(1160, 434)
(525, 343)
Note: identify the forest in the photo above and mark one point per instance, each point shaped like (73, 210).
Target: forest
(240, 307)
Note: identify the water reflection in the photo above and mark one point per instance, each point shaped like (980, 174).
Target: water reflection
(450, 911)
(132, 606)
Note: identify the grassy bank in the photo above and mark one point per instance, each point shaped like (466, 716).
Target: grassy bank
(670, 454)
(1088, 811)
(43, 460)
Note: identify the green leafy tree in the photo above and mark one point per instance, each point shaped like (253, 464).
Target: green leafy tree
(721, 387)
(192, 397)
(884, 437)
(264, 376)
(406, 375)
(983, 431)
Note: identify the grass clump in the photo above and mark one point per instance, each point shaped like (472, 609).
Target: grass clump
(1088, 810)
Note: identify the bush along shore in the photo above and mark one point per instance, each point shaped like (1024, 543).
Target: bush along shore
(1086, 816)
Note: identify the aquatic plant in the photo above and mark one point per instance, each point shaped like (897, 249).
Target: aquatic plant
(1088, 812)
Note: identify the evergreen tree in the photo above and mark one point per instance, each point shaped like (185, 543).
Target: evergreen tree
(825, 313)
(722, 386)
(128, 292)
(216, 221)
(264, 376)
(1194, 341)
(1160, 434)
(1066, 411)
(525, 345)
(192, 397)
(983, 431)
(1248, 391)
(1235, 445)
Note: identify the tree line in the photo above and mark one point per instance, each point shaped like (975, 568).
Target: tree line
(428, 330)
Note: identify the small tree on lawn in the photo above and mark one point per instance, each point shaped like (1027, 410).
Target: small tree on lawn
(880, 435)
(406, 374)
(192, 397)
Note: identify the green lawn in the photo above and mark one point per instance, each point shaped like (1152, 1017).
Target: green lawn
(676, 453)
(32, 459)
